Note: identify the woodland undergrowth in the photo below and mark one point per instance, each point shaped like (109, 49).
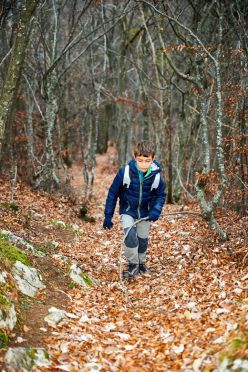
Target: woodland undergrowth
(190, 314)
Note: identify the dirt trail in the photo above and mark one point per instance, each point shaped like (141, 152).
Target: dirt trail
(34, 311)
(32, 330)
(183, 312)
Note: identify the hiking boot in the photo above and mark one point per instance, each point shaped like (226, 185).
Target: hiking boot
(143, 269)
(132, 270)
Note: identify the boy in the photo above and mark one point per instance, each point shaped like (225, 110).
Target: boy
(141, 195)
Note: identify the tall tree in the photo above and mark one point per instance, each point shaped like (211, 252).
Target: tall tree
(18, 53)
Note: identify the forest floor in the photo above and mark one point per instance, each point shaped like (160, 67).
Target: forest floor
(181, 317)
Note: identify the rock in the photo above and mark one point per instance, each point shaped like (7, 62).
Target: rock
(75, 227)
(36, 214)
(98, 216)
(92, 366)
(83, 279)
(60, 257)
(7, 313)
(55, 316)
(24, 359)
(54, 244)
(3, 276)
(61, 224)
(27, 279)
(16, 239)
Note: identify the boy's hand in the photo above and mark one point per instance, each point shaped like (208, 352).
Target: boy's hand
(107, 223)
(153, 216)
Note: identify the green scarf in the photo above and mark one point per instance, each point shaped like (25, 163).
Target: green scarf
(142, 175)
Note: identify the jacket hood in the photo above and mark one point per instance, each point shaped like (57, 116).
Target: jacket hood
(155, 166)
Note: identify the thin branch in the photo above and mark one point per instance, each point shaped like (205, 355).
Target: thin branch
(181, 25)
(139, 68)
(183, 212)
(181, 182)
(180, 73)
(35, 100)
(72, 45)
(6, 56)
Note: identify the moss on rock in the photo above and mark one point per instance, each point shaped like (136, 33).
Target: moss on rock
(86, 278)
(3, 340)
(32, 354)
(4, 303)
(10, 253)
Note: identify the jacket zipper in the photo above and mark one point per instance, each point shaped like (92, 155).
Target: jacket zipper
(140, 197)
(140, 194)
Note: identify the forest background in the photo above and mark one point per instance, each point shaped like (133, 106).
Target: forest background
(80, 83)
(78, 75)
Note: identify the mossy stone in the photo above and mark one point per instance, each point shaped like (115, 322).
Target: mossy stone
(4, 303)
(87, 279)
(11, 253)
(32, 353)
(3, 340)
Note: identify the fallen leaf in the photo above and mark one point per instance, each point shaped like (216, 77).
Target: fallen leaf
(26, 328)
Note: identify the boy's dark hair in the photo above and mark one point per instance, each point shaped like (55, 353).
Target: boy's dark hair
(144, 148)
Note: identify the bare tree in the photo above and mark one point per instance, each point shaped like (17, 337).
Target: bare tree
(15, 67)
(208, 207)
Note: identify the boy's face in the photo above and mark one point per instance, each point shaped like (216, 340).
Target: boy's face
(144, 162)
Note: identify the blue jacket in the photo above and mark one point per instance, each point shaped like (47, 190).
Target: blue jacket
(137, 200)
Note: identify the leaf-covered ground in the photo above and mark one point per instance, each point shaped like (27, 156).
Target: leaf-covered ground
(179, 318)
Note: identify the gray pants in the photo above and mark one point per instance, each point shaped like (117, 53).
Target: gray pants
(136, 242)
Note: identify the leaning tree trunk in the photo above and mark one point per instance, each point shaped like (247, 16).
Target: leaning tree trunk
(8, 93)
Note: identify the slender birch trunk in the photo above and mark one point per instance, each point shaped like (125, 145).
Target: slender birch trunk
(205, 136)
(86, 157)
(159, 139)
(48, 177)
(98, 88)
(208, 208)
(30, 140)
(124, 124)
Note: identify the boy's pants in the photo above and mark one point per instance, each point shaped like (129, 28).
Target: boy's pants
(136, 242)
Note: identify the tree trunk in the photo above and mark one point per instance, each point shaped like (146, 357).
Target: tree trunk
(208, 208)
(49, 179)
(30, 141)
(8, 93)
(124, 125)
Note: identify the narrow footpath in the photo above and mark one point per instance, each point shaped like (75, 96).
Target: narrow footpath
(179, 318)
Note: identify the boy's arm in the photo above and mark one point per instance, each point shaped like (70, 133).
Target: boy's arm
(113, 193)
(158, 202)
